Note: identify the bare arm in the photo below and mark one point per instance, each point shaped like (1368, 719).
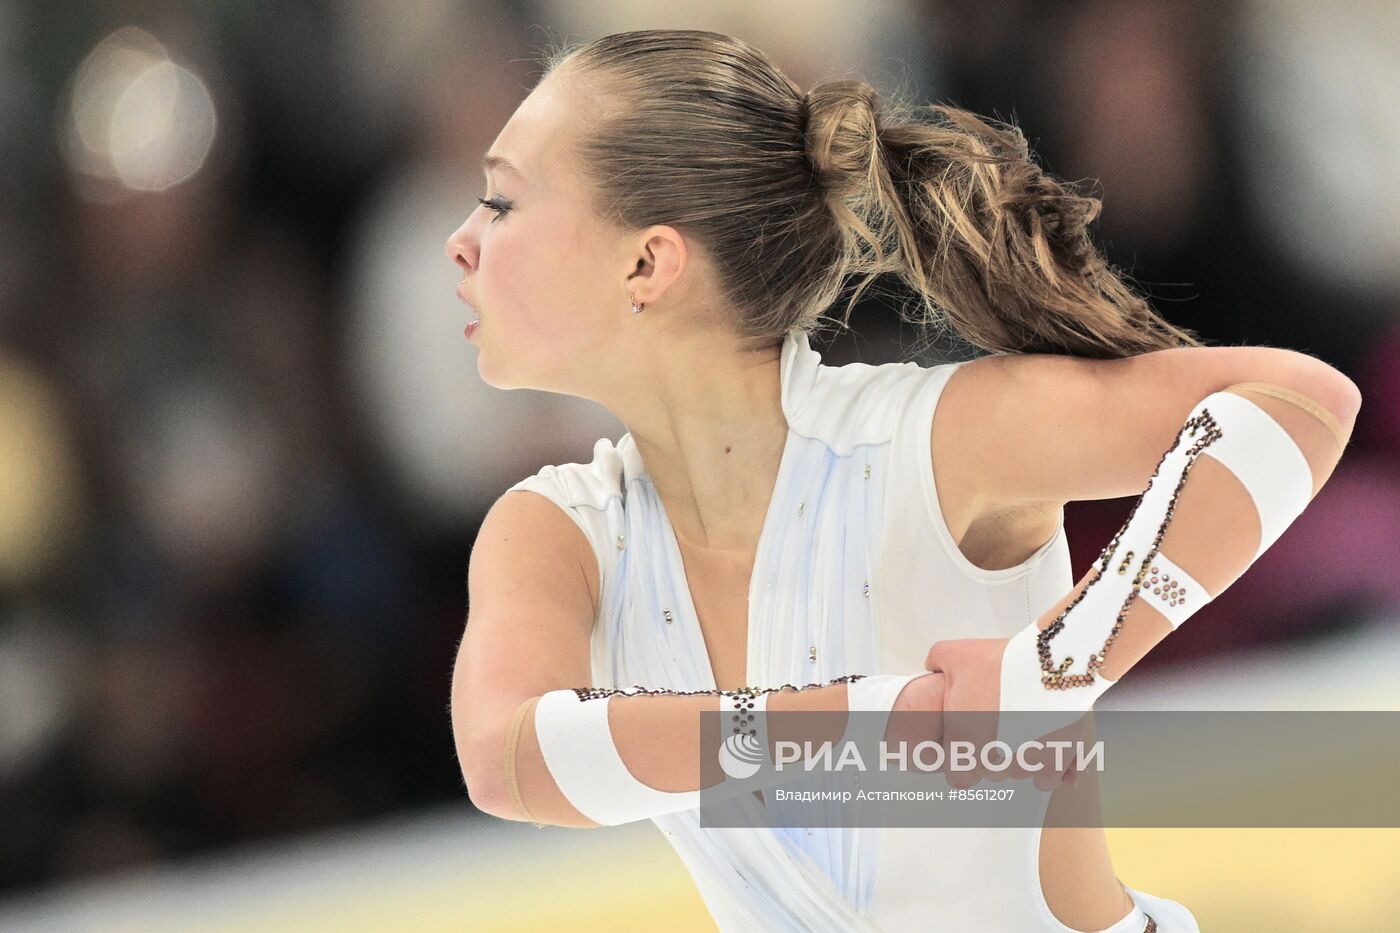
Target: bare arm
(1214, 530)
(1230, 468)
(1016, 431)
(533, 584)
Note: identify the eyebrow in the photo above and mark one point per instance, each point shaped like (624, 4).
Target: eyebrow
(490, 161)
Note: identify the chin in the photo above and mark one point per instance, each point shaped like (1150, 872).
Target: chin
(489, 367)
(490, 375)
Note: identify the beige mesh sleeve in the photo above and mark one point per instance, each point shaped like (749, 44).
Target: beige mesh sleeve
(1309, 405)
(512, 742)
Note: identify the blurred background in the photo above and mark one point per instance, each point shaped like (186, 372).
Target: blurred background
(244, 448)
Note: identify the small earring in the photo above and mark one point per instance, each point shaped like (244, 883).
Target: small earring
(635, 308)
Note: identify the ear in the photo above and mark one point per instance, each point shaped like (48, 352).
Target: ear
(660, 259)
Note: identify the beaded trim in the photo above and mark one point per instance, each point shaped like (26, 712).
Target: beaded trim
(1055, 678)
(600, 693)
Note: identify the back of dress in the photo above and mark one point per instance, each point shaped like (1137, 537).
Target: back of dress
(855, 572)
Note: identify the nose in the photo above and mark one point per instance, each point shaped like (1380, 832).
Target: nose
(461, 248)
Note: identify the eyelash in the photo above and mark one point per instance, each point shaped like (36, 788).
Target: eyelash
(494, 205)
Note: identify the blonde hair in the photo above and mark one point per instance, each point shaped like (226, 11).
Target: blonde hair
(792, 193)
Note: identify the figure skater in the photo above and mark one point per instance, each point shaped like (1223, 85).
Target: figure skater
(667, 218)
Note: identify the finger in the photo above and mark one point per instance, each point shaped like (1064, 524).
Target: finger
(955, 745)
(976, 728)
(954, 763)
(1045, 758)
(936, 659)
(1048, 778)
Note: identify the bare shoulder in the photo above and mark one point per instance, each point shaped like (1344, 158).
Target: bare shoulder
(528, 548)
(1034, 431)
(963, 437)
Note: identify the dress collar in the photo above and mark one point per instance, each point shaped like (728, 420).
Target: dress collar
(797, 372)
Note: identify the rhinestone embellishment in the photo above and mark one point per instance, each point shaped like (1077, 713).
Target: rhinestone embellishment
(1170, 591)
(743, 702)
(1054, 677)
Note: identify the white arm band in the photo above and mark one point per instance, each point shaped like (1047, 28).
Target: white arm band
(577, 743)
(872, 694)
(578, 749)
(1057, 669)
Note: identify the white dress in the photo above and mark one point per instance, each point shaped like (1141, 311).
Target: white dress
(855, 572)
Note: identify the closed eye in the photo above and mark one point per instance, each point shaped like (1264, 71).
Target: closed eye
(495, 204)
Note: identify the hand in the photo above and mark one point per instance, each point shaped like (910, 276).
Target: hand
(922, 695)
(971, 669)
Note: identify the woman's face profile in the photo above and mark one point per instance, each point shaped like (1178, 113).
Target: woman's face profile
(545, 274)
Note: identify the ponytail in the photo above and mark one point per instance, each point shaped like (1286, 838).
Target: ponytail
(993, 247)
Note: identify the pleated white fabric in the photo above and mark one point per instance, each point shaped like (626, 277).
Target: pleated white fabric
(855, 572)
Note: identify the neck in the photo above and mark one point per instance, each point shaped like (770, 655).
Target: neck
(708, 422)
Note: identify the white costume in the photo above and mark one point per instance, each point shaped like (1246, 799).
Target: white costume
(855, 573)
